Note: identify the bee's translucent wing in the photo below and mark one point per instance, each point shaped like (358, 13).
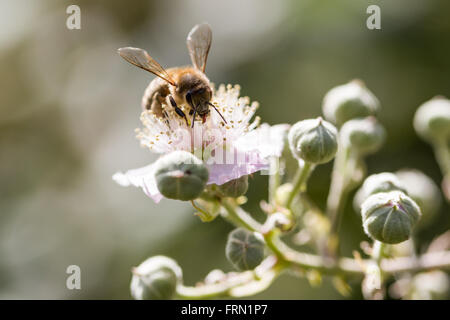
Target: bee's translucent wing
(142, 59)
(198, 43)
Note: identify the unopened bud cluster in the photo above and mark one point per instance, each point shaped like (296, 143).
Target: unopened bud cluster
(423, 191)
(432, 119)
(181, 176)
(389, 217)
(244, 249)
(156, 279)
(376, 183)
(365, 136)
(313, 140)
(349, 101)
(234, 188)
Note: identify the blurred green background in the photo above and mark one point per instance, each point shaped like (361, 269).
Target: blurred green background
(69, 105)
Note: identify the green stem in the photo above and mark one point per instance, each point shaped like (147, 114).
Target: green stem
(373, 286)
(353, 267)
(241, 284)
(442, 153)
(239, 217)
(338, 212)
(251, 282)
(254, 281)
(348, 266)
(299, 184)
(337, 193)
(343, 170)
(344, 266)
(202, 214)
(258, 285)
(273, 243)
(213, 290)
(274, 177)
(377, 251)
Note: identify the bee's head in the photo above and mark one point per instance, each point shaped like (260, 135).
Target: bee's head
(199, 100)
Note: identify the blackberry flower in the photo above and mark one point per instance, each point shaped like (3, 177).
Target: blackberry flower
(229, 150)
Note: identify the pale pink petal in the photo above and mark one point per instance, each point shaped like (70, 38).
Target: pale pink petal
(268, 140)
(234, 166)
(143, 178)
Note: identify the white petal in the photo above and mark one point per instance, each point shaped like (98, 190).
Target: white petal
(241, 164)
(268, 140)
(143, 178)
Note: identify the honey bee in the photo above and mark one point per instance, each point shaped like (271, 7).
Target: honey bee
(179, 85)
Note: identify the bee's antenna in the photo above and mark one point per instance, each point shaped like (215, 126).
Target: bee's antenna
(217, 111)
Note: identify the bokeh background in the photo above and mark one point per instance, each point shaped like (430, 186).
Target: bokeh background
(69, 105)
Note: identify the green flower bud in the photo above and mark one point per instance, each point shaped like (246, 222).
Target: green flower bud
(423, 191)
(349, 101)
(313, 140)
(389, 217)
(180, 175)
(234, 188)
(432, 119)
(244, 249)
(376, 183)
(365, 136)
(156, 279)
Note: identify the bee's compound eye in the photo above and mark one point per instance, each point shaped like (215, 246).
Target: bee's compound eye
(189, 98)
(200, 91)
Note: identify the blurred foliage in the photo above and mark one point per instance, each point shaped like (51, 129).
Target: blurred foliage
(69, 105)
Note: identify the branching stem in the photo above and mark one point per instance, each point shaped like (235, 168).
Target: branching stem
(299, 182)
(251, 282)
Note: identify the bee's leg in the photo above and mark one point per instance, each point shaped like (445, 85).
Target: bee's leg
(178, 110)
(155, 104)
(166, 116)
